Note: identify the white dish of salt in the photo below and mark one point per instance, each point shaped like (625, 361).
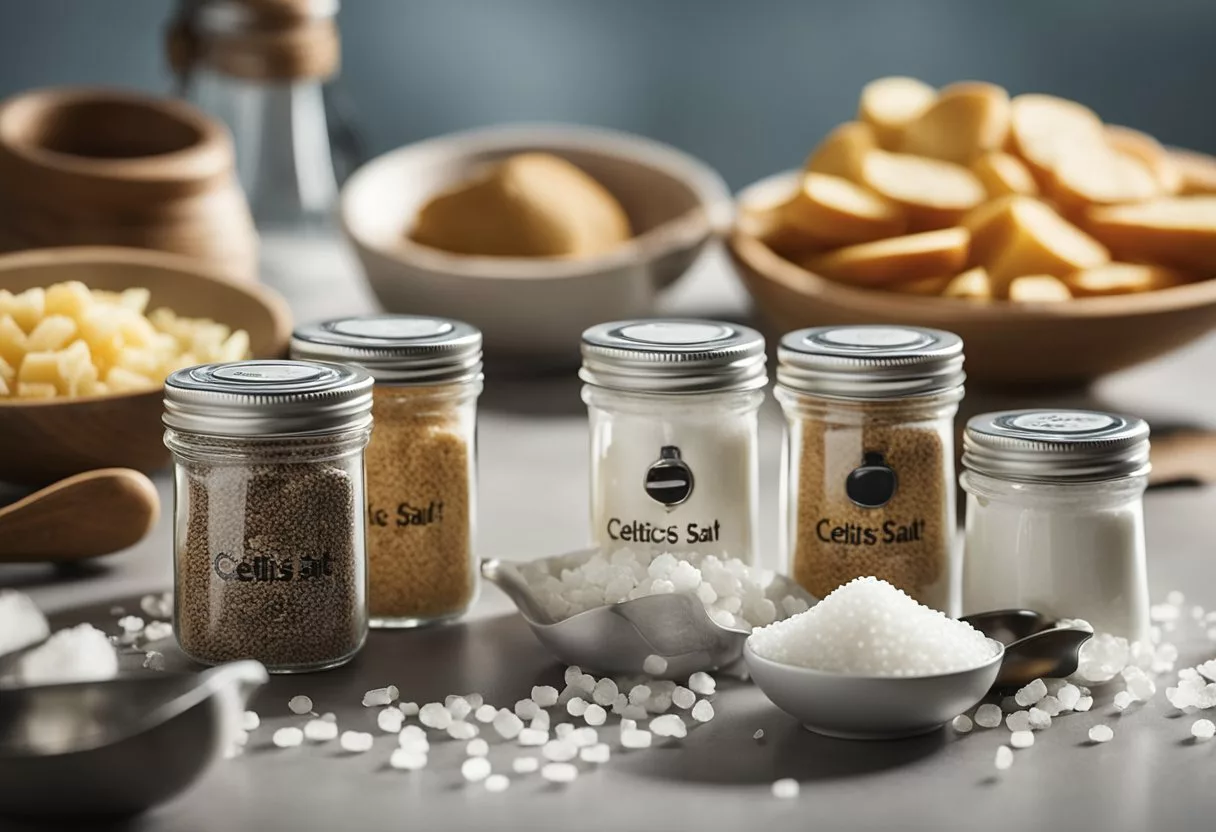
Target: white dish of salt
(868, 662)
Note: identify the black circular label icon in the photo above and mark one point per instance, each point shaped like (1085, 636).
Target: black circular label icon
(669, 480)
(873, 483)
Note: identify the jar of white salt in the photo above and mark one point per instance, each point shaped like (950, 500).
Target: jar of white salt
(673, 411)
(1055, 521)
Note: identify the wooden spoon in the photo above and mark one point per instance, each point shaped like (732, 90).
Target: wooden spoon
(83, 516)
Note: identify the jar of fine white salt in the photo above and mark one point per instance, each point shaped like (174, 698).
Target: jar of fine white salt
(1055, 521)
(673, 413)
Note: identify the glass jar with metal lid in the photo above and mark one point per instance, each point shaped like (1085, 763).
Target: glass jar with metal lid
(269, 515)
(673, 410)
(1055, 521)
(868, 473)
(421, 461)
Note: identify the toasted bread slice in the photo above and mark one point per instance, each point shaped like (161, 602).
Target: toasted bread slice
(1198, 171)
(889, 104)
(973, 284)
(896, 259)
(1150, 153)
(833, 211)
(841, 153)
(1041, 242)
(933, 193)
(1002, 174)
(1174, 231)
(1038, 288)
(1043, 127)
(1123, 279)
(966, 121)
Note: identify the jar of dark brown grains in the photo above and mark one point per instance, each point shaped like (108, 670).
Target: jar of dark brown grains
(421, 460)
(868, 485)
(270, 516)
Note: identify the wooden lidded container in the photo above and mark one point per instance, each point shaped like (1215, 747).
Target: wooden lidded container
(87, 166)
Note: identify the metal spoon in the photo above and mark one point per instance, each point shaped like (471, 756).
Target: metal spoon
(1036, 647)
(121, 746)
(673, 632)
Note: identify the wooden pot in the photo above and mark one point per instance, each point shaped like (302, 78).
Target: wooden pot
(82, 166)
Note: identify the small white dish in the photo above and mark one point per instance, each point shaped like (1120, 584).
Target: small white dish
(534, 308)
(872, 707)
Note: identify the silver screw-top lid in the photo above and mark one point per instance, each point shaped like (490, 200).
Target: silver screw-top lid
(268, 398)
(870, 362)
(396, 349)
(673, 356)
(1056, 446)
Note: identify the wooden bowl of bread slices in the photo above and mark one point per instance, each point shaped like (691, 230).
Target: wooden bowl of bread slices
(1060, 248)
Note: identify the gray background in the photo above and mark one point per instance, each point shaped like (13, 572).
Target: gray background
(748, 85)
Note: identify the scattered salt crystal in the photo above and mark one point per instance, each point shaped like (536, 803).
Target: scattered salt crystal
(329, 717)
(393, 693)
(156, 606)
(1139, 684)
(477, 748)
(559, 772)
(1040, 720)
(21, 622)
(669, 725)
(475, 769)
(475, 700)
(525, 765)
(576, 706)
(605, 692)
(595, 715)
(702, 711)
(638, 694)
(299, 705)
(573, 672)
(683, 698)
(320, 730)
(634, 712)
(498, 783)
(462, 730)
(559, 751)
(1068, 696)
(635, 739)
(1004, 758)
(1175, 598)
(962, 723)
(485, 713)
(355, 742)
(1203, 730)
(1050, 705)
(598, 753)
(389, 720)
(702, 683)
(563, 730)
(157, 630)
(1207, 670)
(869, 627)
(287, 737)
(544, 696)
(241, 738)
(378, 698)
(508, 725)
(1123, 700)
(432, 715)
(988, 716)
(620, 704)
(76, 654)
(654, 665)
(584, 737)
(407, 759)
(533, 737)
(1018, 721)
(250, 721)
(1083, 704)
(1031, 693)
(413, 738)
(526, 709)
(1021, 739)
(408, 708)
(1101, 733)
(154, 660)
(458, 707)
(786, 788)
(131, 624)
(540, 721)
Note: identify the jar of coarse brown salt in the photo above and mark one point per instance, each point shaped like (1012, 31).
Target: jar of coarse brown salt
(868, 476)
(420, 461)
(270, 560)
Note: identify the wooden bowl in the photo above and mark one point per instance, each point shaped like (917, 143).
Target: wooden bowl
(87, 166)
(1005, 343)
(43, 441)
(534, 309)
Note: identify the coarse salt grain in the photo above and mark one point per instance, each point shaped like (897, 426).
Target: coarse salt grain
(250, 721)
(433, 715)
(868, 627)
(541, 721)
(577, 706)
(963, 724)
(583, 737)
(559, 772)
(485, 713)
(654, 665)
(759, 735)
(544, 695)
(475, 769)
(1039, 720)
(287, 737)
(389, 720)
(355, 742)
(320, 730)
(462, 730)
(785, 789)
(703, 711)
(1004, 758)
(1031, 693)
(1101, 733)
(498, 783)
(564, 730)
(458, 707)
(635, 739)
(638, 694)
(526, 709)
(683, 698)
(533, 737)
(22, 624)
(559, 751)
(477, 748)
(702, 683)
(669, 725)
(408, 708)
(300, 705)
(378, 697)
(1018, 721)
(605, 692)
(507, 724)
(157, 630)
(407, 759)
(525, 765)
(1084, 703)
(1203, 730)
(988, 716)
(595, 715)
(1021, 739)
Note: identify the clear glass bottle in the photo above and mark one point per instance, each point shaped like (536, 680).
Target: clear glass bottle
(269, 512)
(868, 463)
(1055, 518)
(673, 413)
(421, 461)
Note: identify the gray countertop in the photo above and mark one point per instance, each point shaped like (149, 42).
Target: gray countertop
(533, 503)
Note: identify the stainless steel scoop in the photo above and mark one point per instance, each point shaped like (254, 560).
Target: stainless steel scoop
(1036, 647)
(665, 636)
(120, 746)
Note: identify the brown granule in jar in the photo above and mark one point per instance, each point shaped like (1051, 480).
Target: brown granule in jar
(270, 562)
(906, 542)
(419, 479)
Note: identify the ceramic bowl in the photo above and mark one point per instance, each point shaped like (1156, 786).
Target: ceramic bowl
(1006, 343)
(872, 707)
(534, 308)
(43, 441)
